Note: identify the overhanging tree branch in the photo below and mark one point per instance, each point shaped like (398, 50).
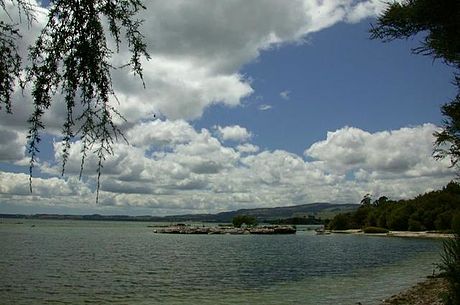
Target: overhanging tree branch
(439, 24)
(70, 62)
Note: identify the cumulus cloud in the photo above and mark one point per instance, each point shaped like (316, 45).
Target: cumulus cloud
(233, 133)
(198, 49)
(161, 133)
(203, 45)
(285, 94)
(365, 9)
(247, 148)
(405, 151)
(12, 146)
(198, 173)
(265, 107)
(205, 155)
(17, 184)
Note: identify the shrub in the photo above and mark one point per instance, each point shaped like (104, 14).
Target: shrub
(443, 221)
(415, 225)
(239, 220)
(340, 222)
(399, 218)
(374, 230)
(456, 223)
(450, 262)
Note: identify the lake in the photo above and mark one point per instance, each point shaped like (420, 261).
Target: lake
(85, 262)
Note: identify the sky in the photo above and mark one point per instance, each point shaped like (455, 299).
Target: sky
(247, 104)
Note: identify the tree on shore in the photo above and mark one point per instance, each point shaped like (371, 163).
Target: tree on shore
(450, 262)
(439, 23)
(430, 211)
(448, 140)
(239, 220)
(70, 63)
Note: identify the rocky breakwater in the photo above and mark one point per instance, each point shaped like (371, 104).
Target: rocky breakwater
(183, 229)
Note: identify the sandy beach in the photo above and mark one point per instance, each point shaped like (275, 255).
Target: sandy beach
(408, 234)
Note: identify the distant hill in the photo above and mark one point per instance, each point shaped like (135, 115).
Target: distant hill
(319, 210)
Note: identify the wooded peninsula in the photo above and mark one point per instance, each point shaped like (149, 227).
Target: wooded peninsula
(431, 211)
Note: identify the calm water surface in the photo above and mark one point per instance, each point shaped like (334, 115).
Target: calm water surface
(79, 262)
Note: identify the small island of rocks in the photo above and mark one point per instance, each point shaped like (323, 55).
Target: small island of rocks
(185, 229)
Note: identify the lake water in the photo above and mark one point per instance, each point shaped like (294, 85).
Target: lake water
(79, 262)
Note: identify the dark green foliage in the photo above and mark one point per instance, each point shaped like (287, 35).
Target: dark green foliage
(399, 217)
(382, 220)
(443, 221)
(448, 140)
(360, 217)
(414, 225)
(310, 220)
(71, 58)
(456, 223)
(10, 63)
(439, 23)
(366, 199)
(374, 230)
(239, 220)
(381, 201)
(371, 219)
(450, 262)
(431, 211)
(438, 20)
(10, 66)
(341, 222)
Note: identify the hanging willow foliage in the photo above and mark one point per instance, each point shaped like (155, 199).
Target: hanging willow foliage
(70, 62)
(10, 60)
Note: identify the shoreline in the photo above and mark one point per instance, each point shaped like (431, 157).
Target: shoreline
(427, 292)
(403, 234)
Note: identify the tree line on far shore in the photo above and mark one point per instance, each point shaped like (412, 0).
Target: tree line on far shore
(431, 211)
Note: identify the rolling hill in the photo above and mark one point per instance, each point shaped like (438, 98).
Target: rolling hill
(319, 210)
